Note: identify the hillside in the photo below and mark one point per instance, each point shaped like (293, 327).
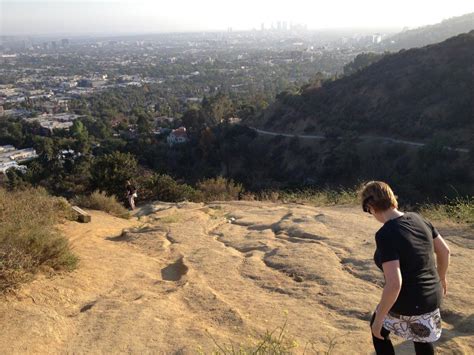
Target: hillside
(184, 272)
(426, 35)
(418, 94)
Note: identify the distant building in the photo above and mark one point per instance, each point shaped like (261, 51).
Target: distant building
(19, 113)
(49, 122)
(7, 165)
(376, 38)
(234, 120)
(193, 100)
(21, 155)
(6, 148)
(177, 136)
(10, 157)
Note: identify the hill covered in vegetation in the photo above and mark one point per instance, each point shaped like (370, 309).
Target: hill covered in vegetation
(426, 35)
(419, 94)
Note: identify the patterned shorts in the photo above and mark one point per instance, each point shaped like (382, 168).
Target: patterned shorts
(423, 328)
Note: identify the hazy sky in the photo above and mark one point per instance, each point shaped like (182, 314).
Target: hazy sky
(128, 16)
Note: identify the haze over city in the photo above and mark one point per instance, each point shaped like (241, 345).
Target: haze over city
(146, 16)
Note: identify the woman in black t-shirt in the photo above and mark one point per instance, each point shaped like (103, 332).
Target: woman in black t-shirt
(414, 279)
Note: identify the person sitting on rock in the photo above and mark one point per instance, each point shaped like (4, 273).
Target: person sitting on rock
(414, 281)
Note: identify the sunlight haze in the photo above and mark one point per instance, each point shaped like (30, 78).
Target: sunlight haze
(78, 17)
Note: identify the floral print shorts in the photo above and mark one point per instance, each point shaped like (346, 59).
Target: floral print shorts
(423, 328)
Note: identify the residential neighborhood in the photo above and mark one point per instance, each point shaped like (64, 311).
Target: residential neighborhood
(10, 157)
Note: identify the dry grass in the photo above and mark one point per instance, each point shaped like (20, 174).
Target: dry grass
(324, 197)
(459, 210)
(219, 189)
(100, 201)
(28, 238)
(172, 218)
(276, 342)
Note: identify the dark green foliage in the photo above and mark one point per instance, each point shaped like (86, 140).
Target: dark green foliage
(16, 180)
(422, 94)
(194, 120)
(361, 61)
(411, 94)
(111, 172)
(165, 188)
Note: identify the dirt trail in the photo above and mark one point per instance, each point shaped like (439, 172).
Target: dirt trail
(184, 272)
(383, 139)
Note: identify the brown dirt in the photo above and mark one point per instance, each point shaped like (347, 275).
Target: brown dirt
(182, 272)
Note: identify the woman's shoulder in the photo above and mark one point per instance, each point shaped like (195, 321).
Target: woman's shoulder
(384, 230)
(416, 217)
(392, 226)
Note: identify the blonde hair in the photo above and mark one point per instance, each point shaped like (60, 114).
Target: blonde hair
(378, 195)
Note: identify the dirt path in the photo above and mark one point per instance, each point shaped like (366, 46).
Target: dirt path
(182, 273)
(364, 137)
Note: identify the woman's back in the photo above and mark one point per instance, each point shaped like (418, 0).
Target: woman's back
(409, 239)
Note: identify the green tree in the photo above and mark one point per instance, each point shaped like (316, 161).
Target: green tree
(16, 179)
(217, 109)
(111, 172)
(194, 121)
(81, 135)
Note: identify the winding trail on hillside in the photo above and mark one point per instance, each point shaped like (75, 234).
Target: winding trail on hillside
(176, 275)
(364, 137)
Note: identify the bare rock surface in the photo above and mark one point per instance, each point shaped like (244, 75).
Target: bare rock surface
(179, 274)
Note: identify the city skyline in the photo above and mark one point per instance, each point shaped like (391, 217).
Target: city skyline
(53, 17)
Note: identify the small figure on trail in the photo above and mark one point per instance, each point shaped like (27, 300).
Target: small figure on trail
(415, 281)
(131, 194)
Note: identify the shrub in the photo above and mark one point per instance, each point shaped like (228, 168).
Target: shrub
(28, 238)
(269, 195)
(100, 201)
(325, 197)
(220, 189)
(459, 210)
(165, 188)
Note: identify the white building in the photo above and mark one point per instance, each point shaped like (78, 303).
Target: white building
(11, 157)
(23, 154)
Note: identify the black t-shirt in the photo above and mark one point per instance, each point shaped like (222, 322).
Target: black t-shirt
(409, 239)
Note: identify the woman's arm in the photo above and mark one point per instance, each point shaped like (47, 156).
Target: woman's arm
(442, 260)
(393, 284)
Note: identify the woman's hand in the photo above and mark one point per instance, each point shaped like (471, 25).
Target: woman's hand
(377, 328)
(444, 283)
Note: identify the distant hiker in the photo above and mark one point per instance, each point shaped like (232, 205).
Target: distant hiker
(131, 195)
(414, 281)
